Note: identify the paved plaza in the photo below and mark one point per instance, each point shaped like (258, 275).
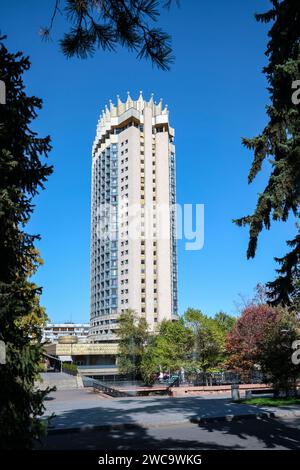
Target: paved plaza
(250, 434)
(87, 420)
(83, 409)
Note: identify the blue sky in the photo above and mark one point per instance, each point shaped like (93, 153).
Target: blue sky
(216, 94)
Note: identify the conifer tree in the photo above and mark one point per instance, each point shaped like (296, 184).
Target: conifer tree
(279, 140)
(23, 174)
(107, 24)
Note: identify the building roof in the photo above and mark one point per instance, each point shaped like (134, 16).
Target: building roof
(81, 349)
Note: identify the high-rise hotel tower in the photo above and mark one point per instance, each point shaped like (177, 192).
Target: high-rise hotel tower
(133, 234)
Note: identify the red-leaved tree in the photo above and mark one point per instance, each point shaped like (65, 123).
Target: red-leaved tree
(246, 339)
(263, 336)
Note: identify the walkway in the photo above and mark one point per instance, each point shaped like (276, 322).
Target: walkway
(84, 409)
(250, 434)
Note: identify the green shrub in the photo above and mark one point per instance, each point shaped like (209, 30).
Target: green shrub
(70, 368)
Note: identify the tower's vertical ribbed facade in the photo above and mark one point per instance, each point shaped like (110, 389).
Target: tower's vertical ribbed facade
(133, 234)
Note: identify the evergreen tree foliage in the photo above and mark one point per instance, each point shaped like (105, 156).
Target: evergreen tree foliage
(280, 140)
(22, 175)
(285, 288)
(106, 24)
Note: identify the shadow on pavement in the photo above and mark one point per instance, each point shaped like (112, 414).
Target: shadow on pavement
(271, 432)
(241, 434)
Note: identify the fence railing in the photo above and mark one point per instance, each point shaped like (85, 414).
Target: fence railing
(108, 390)
(199, 379)
(225, 378)
(173, 382)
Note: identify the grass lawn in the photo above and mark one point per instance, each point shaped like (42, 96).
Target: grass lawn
(272, 401)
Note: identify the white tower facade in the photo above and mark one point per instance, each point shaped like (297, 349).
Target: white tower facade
(133, 221)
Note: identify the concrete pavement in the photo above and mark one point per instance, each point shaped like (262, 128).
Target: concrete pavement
(83, 409)
(250, 434)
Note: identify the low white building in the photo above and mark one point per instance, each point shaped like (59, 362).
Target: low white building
(53, 331)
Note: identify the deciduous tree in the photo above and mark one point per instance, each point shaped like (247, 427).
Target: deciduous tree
(263, 337)
(133, 336)
(208, 339)
(169, 350)
(274, 354)
(246, 339)
(226, 322)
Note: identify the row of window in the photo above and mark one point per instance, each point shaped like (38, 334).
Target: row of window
(173, 238)
(104, 258)
(142, 186)
(124, 223)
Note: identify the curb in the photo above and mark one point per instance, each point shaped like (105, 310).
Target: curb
(279, 413)
(124, 426)
(229, 418)
(93, 427)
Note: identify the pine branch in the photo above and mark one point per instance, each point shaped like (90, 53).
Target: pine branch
(102, 24)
